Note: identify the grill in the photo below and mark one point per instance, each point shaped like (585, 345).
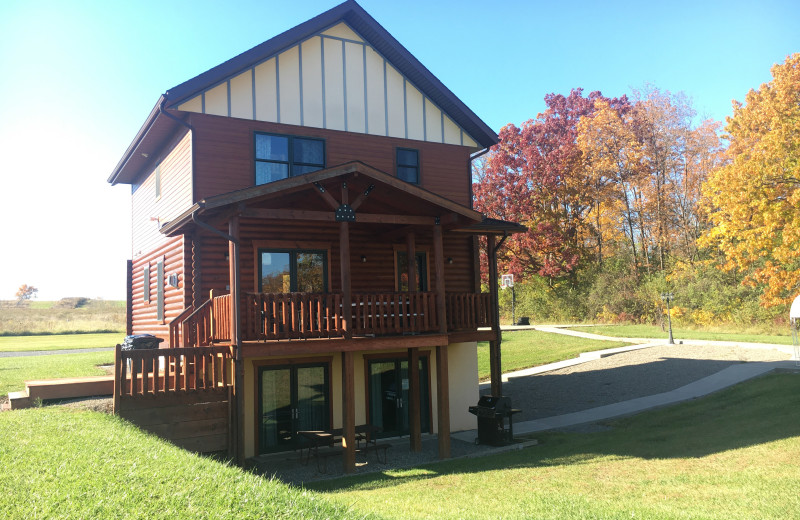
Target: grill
(492, 412)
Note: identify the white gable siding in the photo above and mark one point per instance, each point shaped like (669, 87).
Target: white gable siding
(333, 80)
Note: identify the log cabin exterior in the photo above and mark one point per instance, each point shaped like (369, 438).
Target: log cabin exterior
(304, 242)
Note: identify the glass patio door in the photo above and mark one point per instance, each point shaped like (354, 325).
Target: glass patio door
(388, 396)
(291, 399)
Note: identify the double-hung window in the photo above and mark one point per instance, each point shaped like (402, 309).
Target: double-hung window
(292, 270)
(408, 165)
(280, 156)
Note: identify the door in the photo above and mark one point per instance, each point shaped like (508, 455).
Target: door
(291, 399)
(388, 395)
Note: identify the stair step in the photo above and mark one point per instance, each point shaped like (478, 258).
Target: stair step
(70, 387)
(19, 400)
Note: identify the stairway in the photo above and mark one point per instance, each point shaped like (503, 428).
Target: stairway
(66, 388)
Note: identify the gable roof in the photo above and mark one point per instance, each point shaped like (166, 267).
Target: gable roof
(359, 20)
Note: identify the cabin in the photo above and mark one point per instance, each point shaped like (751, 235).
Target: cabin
(304, 243)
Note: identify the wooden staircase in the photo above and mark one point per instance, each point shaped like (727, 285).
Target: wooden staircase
(66, 388)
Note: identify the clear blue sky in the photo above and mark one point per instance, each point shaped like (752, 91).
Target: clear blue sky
(78, 79)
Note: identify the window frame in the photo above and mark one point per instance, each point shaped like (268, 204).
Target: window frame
(398, 165)
(290, 163)
(293, 252)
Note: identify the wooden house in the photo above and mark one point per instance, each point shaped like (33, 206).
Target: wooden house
(304, 242)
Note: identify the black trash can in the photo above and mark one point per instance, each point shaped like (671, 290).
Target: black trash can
(525, 320)
(140, 342)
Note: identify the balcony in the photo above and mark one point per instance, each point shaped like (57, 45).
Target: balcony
(269, 317)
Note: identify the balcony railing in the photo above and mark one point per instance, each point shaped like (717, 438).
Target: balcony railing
(268, 316)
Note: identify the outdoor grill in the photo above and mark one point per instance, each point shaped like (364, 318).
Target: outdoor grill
(492, 412)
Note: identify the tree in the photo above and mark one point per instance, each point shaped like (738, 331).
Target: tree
(753, 200)
(25, 292)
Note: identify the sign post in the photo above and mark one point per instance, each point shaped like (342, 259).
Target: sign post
(667, 297)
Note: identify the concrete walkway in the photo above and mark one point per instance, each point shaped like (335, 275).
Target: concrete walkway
(55, 352)
(725, 378)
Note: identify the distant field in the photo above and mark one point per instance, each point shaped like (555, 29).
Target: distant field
(59, 341)
(780, 337)
(67, 316)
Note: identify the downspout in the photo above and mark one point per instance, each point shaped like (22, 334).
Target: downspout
(238, 372)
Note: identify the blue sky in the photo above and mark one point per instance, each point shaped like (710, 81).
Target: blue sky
(80, 77)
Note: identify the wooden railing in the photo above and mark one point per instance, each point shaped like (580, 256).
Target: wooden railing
(268, 316)
(468, 311)
(171, 370)
(394, 313)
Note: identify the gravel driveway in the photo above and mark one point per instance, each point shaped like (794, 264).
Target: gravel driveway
(625, 376)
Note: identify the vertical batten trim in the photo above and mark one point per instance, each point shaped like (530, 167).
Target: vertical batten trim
(253, 90)
(322, 67)
(344, 83)
(277, 88)
(424, 120)
(461, 134)
(229, 97)
(300, 76)
(405, 108)
(441, 112)
(366, 101)
(203, 102)
(385, 100)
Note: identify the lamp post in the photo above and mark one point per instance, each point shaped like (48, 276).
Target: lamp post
(667, 297)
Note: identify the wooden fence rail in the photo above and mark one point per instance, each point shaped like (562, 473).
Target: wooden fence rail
(154, 372)
(394, 313)
(468, 311)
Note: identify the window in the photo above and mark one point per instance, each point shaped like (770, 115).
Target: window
(408, 165)
(402, 271)
(292, 270)
(281, 156)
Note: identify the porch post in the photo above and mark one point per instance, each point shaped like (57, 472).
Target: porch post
(344, 265)
(233, 265)
(348, 412)
(443, 401)
(411, 252)
(495, 365)
(442, 379)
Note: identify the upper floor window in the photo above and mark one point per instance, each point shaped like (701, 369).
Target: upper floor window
(281, 156)
(408, 165)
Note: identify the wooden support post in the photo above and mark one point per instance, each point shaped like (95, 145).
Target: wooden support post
(235, 324)
(414, 418)
(443, 401)
(495, 365)
(411, 252)
(348, 412)
(438, 261)
(344, 261)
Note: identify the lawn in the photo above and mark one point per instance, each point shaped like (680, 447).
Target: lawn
(76, 464)
(529, 348)
(732, 455)
(781, 337)
(66, 316)
(14, 371)
(59, 341)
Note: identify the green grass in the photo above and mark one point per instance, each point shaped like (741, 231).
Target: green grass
(14, 371)
(54, 318)
(530, 348)
(59, 463)
(732, 455)
(59, 342)
(654, 331)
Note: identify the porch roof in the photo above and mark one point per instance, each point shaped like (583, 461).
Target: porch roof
(375, 196)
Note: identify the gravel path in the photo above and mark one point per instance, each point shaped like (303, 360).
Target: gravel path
(625, 376)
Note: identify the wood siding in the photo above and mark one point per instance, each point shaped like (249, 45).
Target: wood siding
(145, 320)
(224, 150)
(174, 170)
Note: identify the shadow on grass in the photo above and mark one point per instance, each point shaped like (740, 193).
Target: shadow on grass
(749, 414)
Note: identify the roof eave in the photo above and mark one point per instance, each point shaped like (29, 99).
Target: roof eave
(137, 140)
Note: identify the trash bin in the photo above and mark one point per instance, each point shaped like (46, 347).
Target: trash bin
(524, 320)
(140, 342)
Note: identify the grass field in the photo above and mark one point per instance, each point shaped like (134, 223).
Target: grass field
(782, 337)
(14, 371)
(530, 348)
(732, 455)
(59, 342)
(40, 317)
(80, 465)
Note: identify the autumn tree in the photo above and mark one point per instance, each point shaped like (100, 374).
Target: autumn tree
(753, 200)
(25, 292)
